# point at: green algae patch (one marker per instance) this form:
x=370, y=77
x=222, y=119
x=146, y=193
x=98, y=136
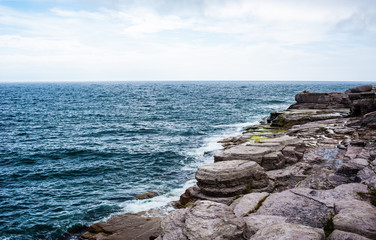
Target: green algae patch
x=255, y=139
x=273, y=130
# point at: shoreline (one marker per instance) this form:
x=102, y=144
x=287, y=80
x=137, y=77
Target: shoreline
x=314, y=144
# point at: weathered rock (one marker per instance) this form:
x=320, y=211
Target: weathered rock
x=274, y=160
x=300, y=116
x=123, y=227
x=229, y=178
x=289, y=231
x=244, y=152
x=355, y=216
x=146, y=195
x=308, y=100
x=254, y=223
x=249, y=203
x=173, y=225
x=340, y=235
x=296, y=208
x=196, y=194
x=359, y=89
x=203, y=220
x=330, y=197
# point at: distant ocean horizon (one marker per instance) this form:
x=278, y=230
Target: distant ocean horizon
x=73, y=153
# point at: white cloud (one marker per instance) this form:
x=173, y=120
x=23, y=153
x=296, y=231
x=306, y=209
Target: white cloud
x=239, y=40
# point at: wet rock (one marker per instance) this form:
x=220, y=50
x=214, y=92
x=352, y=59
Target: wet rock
x=127, y=226
x=146, y=195
x=203, y=220
x=355, y=216
x=249, y=203
x=289, y=231
x=230, y=178
x=340, y=235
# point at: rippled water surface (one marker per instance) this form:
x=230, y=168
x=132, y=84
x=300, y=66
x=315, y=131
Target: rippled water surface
x=75, y=153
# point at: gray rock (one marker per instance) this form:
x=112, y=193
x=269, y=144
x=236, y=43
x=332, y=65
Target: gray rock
x=355, y=216
x=209, y=220
x=359, y=89
x=288, y=231
x=274, y=160
x=296, y=208
x=340, y=235
x=173, y=225
x=203, y=220
x=244, y=152
x=248, y=203
x=230, y=178
x=256, y=222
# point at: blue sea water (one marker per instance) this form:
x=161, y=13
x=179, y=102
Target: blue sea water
x=75, y=153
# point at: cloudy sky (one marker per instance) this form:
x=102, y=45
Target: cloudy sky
x=104, y=40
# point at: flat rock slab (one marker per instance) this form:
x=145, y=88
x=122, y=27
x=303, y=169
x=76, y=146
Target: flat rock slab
x=356, y=216
x=330, y=197
x=125, y=227
x=230, y=178
x=340, y=235
x=296, y=208
x=289, y=231
x=203, y=220
x=244, y=152
x=248, y=203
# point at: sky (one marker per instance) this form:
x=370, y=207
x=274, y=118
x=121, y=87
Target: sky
x=132, y=40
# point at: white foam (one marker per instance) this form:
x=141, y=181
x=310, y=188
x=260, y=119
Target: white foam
x=160, y=203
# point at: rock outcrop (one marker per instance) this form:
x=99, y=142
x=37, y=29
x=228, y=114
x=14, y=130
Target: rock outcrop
x=332, y=100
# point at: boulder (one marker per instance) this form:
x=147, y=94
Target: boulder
x=146, y=195
x=355, y=216
x=340, y=235
x=203, y=220
x=289, y=231
x=249, y=203
x=230, y=178
x=332, y=100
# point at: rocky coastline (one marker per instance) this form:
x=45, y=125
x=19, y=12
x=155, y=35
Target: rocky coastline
x=308, y=172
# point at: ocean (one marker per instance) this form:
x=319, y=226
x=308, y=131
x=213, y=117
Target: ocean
x=72, y=154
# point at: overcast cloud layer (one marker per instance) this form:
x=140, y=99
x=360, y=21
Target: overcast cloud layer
x=103, y=40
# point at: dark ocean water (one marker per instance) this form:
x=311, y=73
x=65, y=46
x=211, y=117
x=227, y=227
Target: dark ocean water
x=75, y=153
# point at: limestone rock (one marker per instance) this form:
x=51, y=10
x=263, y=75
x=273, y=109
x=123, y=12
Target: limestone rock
x=288, y=231
x=355, y=216
x=248, y=203
x=340, y=235
x=229, y=178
